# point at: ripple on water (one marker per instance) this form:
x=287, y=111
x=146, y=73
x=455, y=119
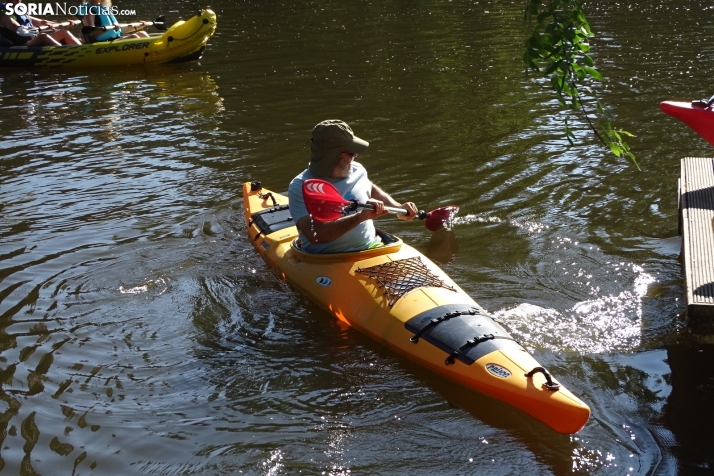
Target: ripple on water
x=609, y=321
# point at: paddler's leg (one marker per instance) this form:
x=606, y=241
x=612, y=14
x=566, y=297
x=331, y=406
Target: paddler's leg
x=43, y=39
x=64, y=36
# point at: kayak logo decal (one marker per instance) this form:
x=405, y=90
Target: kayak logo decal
x=498, y=371
x=323, y=281
x=131, y=46
x=315, y=187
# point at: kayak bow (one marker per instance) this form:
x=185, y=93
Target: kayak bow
x=698, y=115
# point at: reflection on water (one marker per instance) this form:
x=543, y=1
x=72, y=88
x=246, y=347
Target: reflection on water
x=443, y=245
x=140, y=333
x=71, y=194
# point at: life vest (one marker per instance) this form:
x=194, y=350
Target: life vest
x=23, y=20
x=102, y=17
x=15, y=38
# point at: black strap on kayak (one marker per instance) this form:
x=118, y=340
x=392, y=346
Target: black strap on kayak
x=271, y=220
x=268, y=195
x=256, y=186
x=440, y=319
x=473, y=343
x=549, y=384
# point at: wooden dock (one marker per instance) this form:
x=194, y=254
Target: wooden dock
x=696, y=225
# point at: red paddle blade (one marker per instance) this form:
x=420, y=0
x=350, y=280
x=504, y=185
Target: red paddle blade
x=440, y=217
x=322, y=200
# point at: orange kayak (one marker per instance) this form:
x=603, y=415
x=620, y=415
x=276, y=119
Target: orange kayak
x=398, y=297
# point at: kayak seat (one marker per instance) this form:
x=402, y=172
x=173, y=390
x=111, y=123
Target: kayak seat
x=387, y=239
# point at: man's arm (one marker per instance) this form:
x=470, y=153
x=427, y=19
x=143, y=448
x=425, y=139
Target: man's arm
x=326, y=231
x=386, y=199
x=40, y=22
x=6, y=21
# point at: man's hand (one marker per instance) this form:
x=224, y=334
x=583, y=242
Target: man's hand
x=377, y=212
x=411, y=208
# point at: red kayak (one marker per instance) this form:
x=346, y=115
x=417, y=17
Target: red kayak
x=698, y=115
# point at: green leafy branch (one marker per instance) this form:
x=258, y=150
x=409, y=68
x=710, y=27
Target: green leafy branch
x=558, y=47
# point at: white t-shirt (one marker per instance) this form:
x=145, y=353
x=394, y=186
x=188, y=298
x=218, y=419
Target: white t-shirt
x=355, y=187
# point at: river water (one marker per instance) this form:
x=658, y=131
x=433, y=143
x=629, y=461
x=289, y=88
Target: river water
x=140, y=333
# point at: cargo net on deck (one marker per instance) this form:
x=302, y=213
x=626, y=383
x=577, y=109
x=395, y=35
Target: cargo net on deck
x=402, y=276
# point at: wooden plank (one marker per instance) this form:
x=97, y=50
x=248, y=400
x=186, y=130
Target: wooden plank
x=697, y=223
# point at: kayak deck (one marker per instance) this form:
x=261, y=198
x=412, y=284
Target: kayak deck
x=401, y=299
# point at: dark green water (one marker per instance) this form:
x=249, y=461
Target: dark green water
x=140, y=334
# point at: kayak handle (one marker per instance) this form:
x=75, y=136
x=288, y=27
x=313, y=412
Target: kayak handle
x=549, y=384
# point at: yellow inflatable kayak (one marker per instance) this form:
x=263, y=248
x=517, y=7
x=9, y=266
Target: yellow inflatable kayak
x=183, y=41
x=400, y=298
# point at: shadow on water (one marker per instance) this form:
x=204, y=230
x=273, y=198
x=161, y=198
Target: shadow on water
x=443, y=245
x=689, y=411
x=552, y=451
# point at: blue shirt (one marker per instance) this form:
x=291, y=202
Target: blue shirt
x=355, y=187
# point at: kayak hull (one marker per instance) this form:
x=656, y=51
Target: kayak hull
x=394, y=295
x=697, y=116
x=183, y=41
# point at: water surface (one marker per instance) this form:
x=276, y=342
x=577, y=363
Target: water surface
x=142, y=335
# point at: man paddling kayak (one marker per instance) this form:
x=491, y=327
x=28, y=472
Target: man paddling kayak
x=333, y=149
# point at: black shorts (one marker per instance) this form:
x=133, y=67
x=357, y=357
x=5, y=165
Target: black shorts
x=14, y=38
x=89, y=38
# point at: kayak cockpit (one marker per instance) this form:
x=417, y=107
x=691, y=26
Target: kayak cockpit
x=392, y=244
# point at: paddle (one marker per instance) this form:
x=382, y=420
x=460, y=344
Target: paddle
x=159, y=23
x=325, y=203
x=57, y=26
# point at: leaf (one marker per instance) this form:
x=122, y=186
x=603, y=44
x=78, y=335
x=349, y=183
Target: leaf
x=594, y=73
x=559, y=47
x=554, y=65
x=615, y=149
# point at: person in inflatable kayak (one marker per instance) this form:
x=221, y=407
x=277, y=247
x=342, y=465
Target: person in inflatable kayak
x=333, y=150
x=20, y=29
x=98, y=13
